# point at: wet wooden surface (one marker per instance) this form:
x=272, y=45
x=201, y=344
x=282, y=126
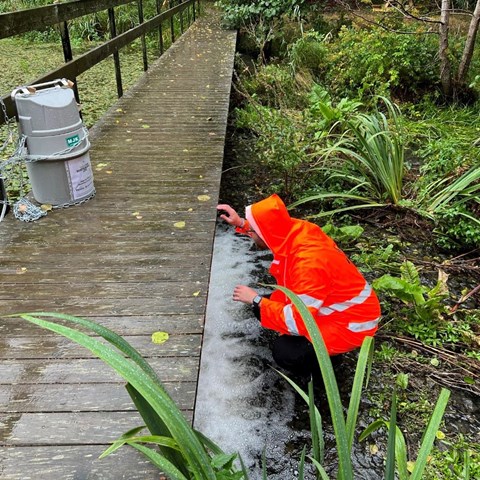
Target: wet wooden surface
x=119, y=260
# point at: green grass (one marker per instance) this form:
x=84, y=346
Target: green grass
x=22, y=62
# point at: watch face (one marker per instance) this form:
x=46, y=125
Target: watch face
x=257, y=300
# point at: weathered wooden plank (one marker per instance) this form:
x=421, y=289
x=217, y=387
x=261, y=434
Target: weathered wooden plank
x=132, y=325
x=108, y=290
x=73, y=428
x=74, y=463
x=90, y=370
x=61, y=348
x=51, y=274
x=77, y=462
x=99, y=397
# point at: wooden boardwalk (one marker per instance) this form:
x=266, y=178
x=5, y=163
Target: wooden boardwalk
x=136, y=258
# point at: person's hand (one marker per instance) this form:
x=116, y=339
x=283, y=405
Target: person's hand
x=231, y=216
x=244, y=294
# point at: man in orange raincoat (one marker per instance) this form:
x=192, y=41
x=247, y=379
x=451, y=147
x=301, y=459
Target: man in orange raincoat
x=308, y=262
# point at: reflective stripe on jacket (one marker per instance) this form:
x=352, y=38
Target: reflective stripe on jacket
x=309, y=263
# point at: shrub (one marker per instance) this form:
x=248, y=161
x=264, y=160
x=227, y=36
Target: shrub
x=365, y=62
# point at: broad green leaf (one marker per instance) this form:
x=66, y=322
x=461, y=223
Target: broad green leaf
x=364, y=360
x=429, y=435
x=161, y=402
x=330, y=382
x=160, y=462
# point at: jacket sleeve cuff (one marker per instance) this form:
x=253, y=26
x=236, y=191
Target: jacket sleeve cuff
x=245, y=229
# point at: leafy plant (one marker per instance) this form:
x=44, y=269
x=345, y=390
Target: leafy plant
x=397, y=453
x=374, y=154
x=427, y=302
x=184, y=453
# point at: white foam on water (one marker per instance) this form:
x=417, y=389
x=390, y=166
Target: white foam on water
x=242, y=404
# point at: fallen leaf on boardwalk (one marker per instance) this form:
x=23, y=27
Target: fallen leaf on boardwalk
x=109, y=171
x=139, y=217
x=196, y=294
x=119, y=110
x=212, y=133
x=185, y=149
x=190, y=209
x=46, y=207
x=135, y=214
x=140, y=119
x=22, y=270
x=179, y=225
x=200, y=176
x=117, y=121
x=159, y=337
x=128, y=139
x=145, y=126
x=203, y=198
x=100, y=166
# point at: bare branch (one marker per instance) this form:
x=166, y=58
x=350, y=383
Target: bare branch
x=384, y=27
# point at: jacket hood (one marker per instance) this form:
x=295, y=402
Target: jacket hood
x=271, y=221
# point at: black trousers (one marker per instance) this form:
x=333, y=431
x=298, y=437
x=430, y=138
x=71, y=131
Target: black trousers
x=297, y=355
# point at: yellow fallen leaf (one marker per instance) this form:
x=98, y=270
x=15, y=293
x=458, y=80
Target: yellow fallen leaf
x=440, y=435
x=46, y=207
x=159, y=337
x=138, y=217
x=117, y=121
x=22, y=270
x=190, y=209
x=128, y=139
x=145, y=126
x=200, y=176
x=373, y=449
x=185, y=150
x=179, y=225
x=203, y=198
x=108, y=171
x=135, y=214
x=119, y=110
x=196, y=294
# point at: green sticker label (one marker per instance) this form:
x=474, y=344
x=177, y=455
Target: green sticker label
x=73, y=141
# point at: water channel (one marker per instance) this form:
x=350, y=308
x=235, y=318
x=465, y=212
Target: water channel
x=243, y=404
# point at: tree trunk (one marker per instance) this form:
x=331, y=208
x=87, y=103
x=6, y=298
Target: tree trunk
x=445, y=66
x=469, y=45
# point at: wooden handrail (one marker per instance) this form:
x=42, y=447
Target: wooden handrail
x=86, y=61
x=23, y=21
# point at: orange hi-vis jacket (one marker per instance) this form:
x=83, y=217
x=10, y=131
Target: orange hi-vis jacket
x=308, y=262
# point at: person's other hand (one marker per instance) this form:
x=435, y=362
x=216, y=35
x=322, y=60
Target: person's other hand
x=242, y=293
x=231, y=216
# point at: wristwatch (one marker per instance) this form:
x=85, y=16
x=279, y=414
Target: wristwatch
x=256, y=301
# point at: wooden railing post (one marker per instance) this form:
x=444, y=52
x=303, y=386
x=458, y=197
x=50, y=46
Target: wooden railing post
x=144, y=43
x=172, y=23
x=116, y=55
x=160, y=31
x=68, y=54
x=181, y=16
